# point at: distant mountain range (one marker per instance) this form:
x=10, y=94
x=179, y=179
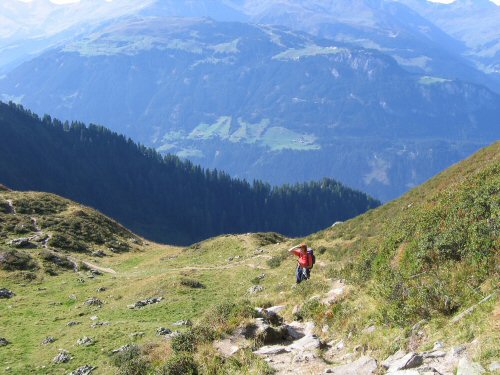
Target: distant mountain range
x=161, y=198
x=261, y=102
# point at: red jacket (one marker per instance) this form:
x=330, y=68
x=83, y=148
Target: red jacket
x=304, y=258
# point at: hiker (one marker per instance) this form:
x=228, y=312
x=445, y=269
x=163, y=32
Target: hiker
x=305, y=262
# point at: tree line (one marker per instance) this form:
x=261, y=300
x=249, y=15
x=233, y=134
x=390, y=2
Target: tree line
x=160, y=197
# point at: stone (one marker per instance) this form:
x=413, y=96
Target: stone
x=100, y=324
x=226, y=347
x=4, y=341
x=84, y=370
x=402, y=361
x=99, y=254
x=364, y=365
x=62, y=357
x=255, y=289
x=369, y=329
x=336, y=292
x=438, y=345
x=6, y=293
x=270, y=316
x=272, y=350
x=183, y=323
x=72, y=323
x=94, y=302
x=433, y=354
x=94, y=317
x=308, y=342
x=21, y=243
x=145, y=302
x=161, y=331
x=48, y=340
x=458, y=350
x=85, y=341
x=123, y=348
x=494, y=366
x=416, y=327
x=101, y=289
x=466, y=367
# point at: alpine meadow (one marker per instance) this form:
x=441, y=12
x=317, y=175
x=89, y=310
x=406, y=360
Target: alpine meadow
x=233, y=187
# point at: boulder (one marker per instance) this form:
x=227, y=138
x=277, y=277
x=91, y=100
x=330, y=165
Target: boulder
x=72, y=323
x=85, y=341
x=466, y=367
x=21, y=243
x=309, y=342
x=145, y=302
x=255, y=289
x=94, y=302
x=4, y=341
x=270, y=316
x=6, y=293
x=62, y=357
x=362, y=366
x=187, y=323
x=101, y=289
x=48, y=340
x=402, y=362
x=163, y=331
x=84, y=370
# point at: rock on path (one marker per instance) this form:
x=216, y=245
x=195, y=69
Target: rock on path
x=362, y=366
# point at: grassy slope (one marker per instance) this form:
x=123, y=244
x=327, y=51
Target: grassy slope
x=363, y=251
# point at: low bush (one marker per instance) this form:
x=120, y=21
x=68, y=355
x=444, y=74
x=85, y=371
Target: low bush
x=14, y=260
x=67, y=243
x=52, y=258
x=191, y=283
x=184, y=342
x=276, y=260
x=179, y=364
x=130, y=362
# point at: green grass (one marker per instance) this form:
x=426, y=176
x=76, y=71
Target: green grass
x=430, y=254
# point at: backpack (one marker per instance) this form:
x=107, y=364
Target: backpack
x=311, y=257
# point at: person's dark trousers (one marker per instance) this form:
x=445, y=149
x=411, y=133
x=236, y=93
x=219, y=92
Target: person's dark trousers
x=302, y=274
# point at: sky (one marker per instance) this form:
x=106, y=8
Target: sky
x=76, y=1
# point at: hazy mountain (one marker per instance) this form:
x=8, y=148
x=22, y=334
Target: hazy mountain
x=475, y=22
x=390, y=27
x=261, y=102
x=27, y=28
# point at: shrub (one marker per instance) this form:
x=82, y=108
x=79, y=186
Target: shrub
x=65, y=242
x=276, y=260
x=51, y=258
x=184, y=342
x=130, y=361
x=14, y=260
x=179, y=364
x=224, y=316
x=190, y=283
x=269, y=238
x=40, y=204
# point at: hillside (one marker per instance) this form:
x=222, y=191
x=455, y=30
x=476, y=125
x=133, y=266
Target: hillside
x=161, y=198
x=418, y=273
x=261, y=102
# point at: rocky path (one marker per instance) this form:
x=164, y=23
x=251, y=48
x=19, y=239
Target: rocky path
x=294, y=348
x=98, y=268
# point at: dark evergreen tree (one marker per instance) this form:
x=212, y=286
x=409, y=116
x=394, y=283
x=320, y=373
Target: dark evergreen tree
x=160, y=197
